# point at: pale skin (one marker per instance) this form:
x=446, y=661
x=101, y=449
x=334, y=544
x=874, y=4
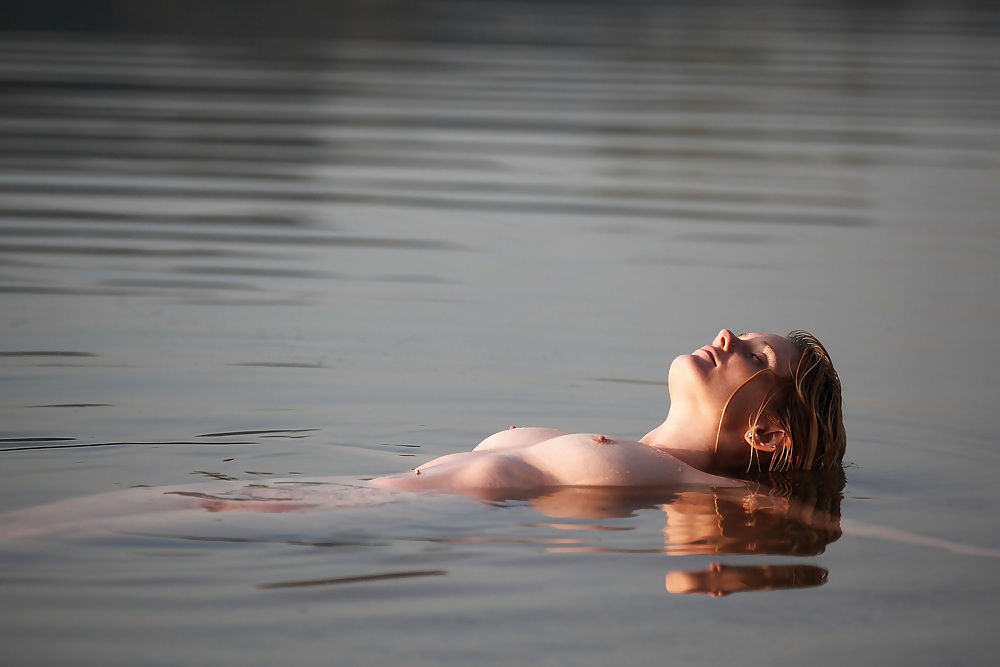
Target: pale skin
x=716, y=392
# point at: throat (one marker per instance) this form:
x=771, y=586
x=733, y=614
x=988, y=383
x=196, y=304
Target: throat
x=693, y=457
x=695, y=449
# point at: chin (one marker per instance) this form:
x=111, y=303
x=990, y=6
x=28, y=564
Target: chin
x=685, y=372
x=687, y=365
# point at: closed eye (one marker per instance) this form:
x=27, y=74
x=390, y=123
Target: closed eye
x=766, y=358
x=770, y=357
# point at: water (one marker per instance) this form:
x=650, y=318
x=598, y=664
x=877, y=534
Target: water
x=380, y=238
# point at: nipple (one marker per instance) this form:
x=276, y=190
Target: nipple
x=602, y=439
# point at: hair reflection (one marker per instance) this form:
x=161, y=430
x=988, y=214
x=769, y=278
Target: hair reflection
x=794, y=513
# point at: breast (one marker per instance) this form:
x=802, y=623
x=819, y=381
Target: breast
x=592, y=459
x=518, y=438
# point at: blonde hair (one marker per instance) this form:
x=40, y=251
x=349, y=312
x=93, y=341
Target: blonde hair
x=810, y=410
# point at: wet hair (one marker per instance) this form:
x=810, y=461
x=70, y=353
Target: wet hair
x=810, y=409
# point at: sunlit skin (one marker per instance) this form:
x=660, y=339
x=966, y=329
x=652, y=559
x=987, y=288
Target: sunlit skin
x=731, y=378
x=701, y=384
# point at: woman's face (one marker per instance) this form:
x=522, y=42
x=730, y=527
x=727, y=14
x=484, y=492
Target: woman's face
x=707, y=379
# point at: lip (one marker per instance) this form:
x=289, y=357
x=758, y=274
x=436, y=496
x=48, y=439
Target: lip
x=710, y=352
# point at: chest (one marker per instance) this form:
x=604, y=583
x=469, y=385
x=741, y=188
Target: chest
x=593, y=460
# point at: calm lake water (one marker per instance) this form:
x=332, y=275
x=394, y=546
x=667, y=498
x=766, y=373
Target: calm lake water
x=238, y=257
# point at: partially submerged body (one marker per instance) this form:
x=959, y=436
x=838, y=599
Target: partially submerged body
x=522, y=459
x=755, y=400
x=742, y=408
x=747, y=401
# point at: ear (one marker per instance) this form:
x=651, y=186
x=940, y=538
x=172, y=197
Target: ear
x=768, y=437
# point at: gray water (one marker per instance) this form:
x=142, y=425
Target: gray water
x=344, y=253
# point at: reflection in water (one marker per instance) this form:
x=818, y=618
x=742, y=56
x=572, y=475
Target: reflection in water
x=798, y=516
x=719, y=580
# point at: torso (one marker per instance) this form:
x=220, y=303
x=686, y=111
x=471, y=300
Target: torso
x=590, y=459
x=524, y=458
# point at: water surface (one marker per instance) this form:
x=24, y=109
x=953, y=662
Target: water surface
x=343, y=251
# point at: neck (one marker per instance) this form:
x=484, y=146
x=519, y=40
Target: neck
x=687, y=440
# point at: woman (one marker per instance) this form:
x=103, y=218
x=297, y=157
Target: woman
x=750, y=401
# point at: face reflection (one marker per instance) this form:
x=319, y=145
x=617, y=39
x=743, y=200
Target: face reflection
x=704, y=381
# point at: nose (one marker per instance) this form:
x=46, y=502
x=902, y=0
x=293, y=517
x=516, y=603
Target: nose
x=725, y=340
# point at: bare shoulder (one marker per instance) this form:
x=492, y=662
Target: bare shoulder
x=518, y=438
